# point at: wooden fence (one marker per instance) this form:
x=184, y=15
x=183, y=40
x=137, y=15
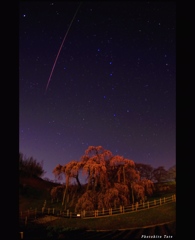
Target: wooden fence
x=33, y=214
x=131, y=208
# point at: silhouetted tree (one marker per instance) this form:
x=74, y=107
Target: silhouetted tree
x=145, y=170
x=30, y=167
x=172, y=173
x=160, y=174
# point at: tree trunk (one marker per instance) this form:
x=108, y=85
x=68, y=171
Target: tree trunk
x=89, y=180
x=64, y=195
x=65, y=190
x=73, y=195
x=77, y=179
x=124, y=175
x=132, y=194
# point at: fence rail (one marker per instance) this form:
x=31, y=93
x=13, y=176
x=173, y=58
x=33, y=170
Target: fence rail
x=131, y=208
x=33, y=214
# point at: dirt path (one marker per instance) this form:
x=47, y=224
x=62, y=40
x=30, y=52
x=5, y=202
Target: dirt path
x=46, y=219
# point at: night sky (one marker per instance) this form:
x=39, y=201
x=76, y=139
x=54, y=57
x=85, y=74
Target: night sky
x=113, y=83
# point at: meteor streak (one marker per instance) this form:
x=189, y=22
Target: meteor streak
x=61, y=48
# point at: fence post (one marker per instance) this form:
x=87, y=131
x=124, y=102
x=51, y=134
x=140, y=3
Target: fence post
x=136, y=206
x=83, y=213
x=67, y=212
x=148, y=204
x=21, y=235
x=110, y=211
x=121, y=209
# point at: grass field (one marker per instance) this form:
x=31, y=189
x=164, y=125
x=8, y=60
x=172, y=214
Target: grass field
x=158, y=220
x=153, y=216
x=120, y=226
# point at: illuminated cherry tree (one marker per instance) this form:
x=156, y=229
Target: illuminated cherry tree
x=112, y=181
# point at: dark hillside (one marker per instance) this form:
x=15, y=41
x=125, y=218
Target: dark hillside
x=37, y=183
x=33, y=191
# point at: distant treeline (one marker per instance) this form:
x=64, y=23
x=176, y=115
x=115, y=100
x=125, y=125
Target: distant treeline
x=30, y=167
